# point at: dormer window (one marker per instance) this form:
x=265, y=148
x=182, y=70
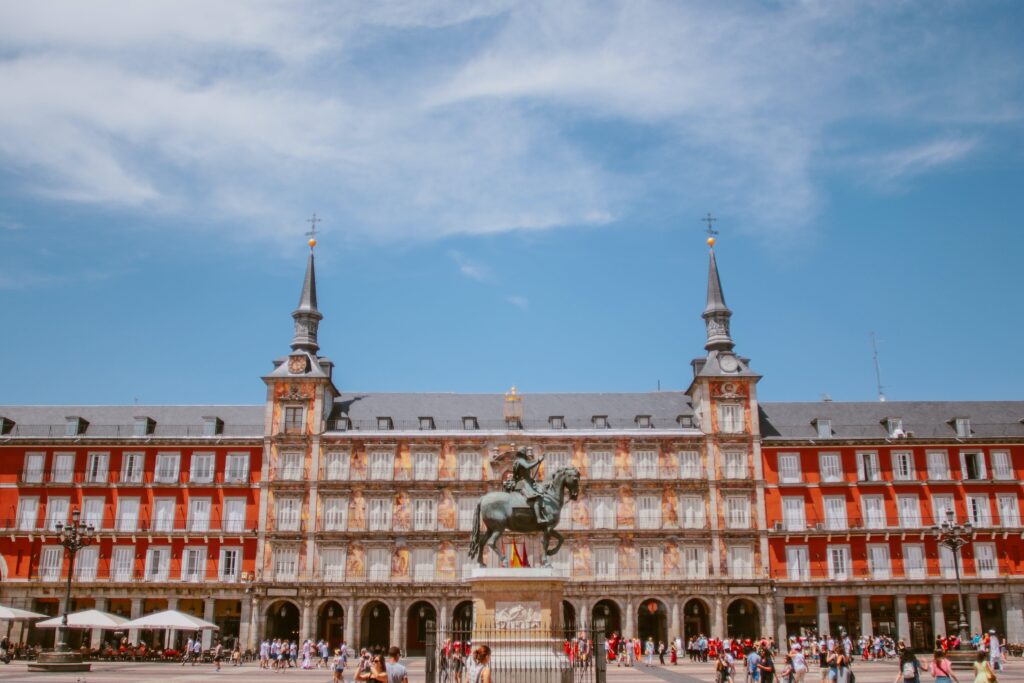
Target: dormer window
x=470, y=422
x=894, y=426
x=685, y=421
x=214, y=426
x=426, y=423
x=343, y=423
x=643, y=421
x=557, y=421
x=513, y=422
x=143, y=426
x=6, y=425
x=385, y=423
x=75, y=426
x=599, y=421
x=963, y=427
x=823, y=427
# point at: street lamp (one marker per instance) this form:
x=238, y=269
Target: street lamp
x=73, y=537
x=955, y=536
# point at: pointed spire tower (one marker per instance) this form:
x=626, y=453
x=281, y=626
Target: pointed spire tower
x=307, y=317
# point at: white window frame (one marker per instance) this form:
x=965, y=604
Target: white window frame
x=199, y=512
x=947, y=563
x=158, y=563
x=831, y=506
x=378, y=564
x=554, y=460
x=963, y=427
x=28, y=513
x=122, y=563
x=34, y=468
x=979, y=465
x=337, y=465
x=1009, y=510
x=424, y=564
x=692, y=512
x=730, y=418
x=695, y=562
x=162, y=522
x=868, y=467
x=92, y=511
x=840, y=564
x=903, y=466
x=915, y=562
x=288, y=513
x=737, y=512
x=979, y=509
x=735, y=465
x=645, y=463
x=332, y=564
x=229, y=572
x=1002, y=466
x=873, y=512
x=789, y=468
x=648, y=511
x=424, y=516
x=168, y=468
x=794, y=513
x=603, y=512
x=938, y=466
x=940, y=503
x=233, y=522
x=379, y=514
x=193, y=564
x=127, y=522
x=986, y=564
x=334, y=513
x=470, y=466
x=830, y=466
x=97, y=468
x=690, y=465
x=606, y=562
x=466, y=506
x=133, y=467
x=651, y=560
x=201, y=466
x=292, y=465
x=63, y=469
x=424, y=465
x=798, y=565
x=908, y=508
x=236, y=468
x=879, y=561
x=380, y=465
x=602, y=464
x=740, y=559
x=57, y=510
x=285, y=563
x=51, y=562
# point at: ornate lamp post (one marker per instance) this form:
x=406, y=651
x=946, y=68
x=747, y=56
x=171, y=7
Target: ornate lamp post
x=73, y=537
x=955, y=536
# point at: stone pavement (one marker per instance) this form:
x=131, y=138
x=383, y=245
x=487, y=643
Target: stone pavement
x=685, y=672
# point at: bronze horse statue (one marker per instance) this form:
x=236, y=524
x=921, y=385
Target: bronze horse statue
x=504, y=510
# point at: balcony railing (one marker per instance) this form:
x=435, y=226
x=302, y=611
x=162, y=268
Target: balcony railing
x=113, y=525
x=127, y=431
x=144, y=478
x=819, y=571
x=923, y=523
x=372, y=425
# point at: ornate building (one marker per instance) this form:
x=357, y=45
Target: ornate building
x=327, y=512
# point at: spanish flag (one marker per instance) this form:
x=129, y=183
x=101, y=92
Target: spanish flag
x=517, y=561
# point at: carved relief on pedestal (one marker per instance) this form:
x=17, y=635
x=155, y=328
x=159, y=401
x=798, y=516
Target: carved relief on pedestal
x=357, y=512
x=447, y=511
x=520, y=615
x=626, y=509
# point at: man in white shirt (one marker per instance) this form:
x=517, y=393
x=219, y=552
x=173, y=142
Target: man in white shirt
x=799, y=663
x=995, y=652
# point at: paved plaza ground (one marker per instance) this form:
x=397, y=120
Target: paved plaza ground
x=869, y=672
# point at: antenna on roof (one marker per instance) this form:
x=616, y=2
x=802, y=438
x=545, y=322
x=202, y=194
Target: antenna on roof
x=878, y=372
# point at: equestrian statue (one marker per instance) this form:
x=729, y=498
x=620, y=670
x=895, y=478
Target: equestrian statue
x=523, y=506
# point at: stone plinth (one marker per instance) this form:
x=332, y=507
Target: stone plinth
x=59, y=661
x=517, y=612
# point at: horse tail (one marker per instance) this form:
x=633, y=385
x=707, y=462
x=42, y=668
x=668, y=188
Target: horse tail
x=474, y=538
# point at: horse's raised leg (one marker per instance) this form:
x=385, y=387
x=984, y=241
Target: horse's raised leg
x=549, y=532
x=492, y=540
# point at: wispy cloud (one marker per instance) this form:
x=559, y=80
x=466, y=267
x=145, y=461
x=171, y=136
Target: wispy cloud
x=469, y=268
x=518, y=301
x=494, y=116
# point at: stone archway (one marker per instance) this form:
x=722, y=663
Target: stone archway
x=420, y=614
x=608, y=611
x=283, y=619
x=652, y=621
x=696, y=619
x=330, y=623
x=743, y=619
x=375, y=631
x=569, y=621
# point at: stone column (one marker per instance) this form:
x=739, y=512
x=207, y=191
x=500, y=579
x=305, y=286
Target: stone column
x=1013, y=606
x=673, y=624
x=718, y=618
x=170, y=634
x=259, y=622
x=133, y=634
x=824, y=627
x=781, y=632
x=938, y=616
x=96, y=636
x=244, y=626
x=306, y=619
x=630, y=621
x=864, y=602
x=768, y=625
x=442, y=616
x=397, y=623
x=973, y=613
x=208, y=611
x=350, y=635
x=902, y=618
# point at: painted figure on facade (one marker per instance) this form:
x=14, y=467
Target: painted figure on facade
x=524, y=506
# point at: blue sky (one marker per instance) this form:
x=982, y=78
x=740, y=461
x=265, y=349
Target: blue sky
x=511, y=193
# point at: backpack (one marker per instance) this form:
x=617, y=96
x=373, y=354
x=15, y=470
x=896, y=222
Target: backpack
x=909, y=670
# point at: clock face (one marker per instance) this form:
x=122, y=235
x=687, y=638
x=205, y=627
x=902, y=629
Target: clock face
x=297, y=364
x=729, y=363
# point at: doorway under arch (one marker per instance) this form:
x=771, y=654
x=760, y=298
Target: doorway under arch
x=696, y=620
x=569, y=621
x=283, y=620
x=375, y=634
x=420, y=613
x=330, y=623
x=462, y=621
x=652, y=621
x=743, y=619
x=608, y=611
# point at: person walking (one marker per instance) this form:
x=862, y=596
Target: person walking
x=661, y=652
x=649, y=651
x=479, y=668
x=197, y=650
x=909, y=670
x=218, y=652
x=338, y=667
x=188, y=651
x=983, y=672
x=767, y=665
x=723, y=669
x=397, y=672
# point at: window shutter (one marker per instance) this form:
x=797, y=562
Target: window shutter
x=963, y=466
x=982, y=472
x=860, y=467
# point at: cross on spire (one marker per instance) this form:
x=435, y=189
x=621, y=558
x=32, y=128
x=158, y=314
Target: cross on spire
x=709, y=219
x=313, y=221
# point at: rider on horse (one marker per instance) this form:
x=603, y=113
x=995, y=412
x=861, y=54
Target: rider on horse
x=523, y=481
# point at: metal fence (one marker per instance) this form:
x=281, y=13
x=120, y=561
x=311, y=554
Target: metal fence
x=519, y=654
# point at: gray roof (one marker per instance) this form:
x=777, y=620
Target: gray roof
x=865, y=420
x=118, y=421
x=578, y=410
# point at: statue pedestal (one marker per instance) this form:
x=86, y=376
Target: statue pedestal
x=517, y=612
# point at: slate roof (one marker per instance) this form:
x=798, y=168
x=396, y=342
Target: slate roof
x=118, y=421
x=865, y=420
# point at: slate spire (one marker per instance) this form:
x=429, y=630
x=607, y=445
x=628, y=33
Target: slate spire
x=716, y=314
x=307, y=317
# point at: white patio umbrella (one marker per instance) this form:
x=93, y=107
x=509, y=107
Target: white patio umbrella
x=171, y=618
x=15, y=614
x=90, y=618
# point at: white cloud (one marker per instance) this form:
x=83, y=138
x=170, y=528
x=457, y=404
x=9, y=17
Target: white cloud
x=469, y=268
x=518, y=301
x=416, y=119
